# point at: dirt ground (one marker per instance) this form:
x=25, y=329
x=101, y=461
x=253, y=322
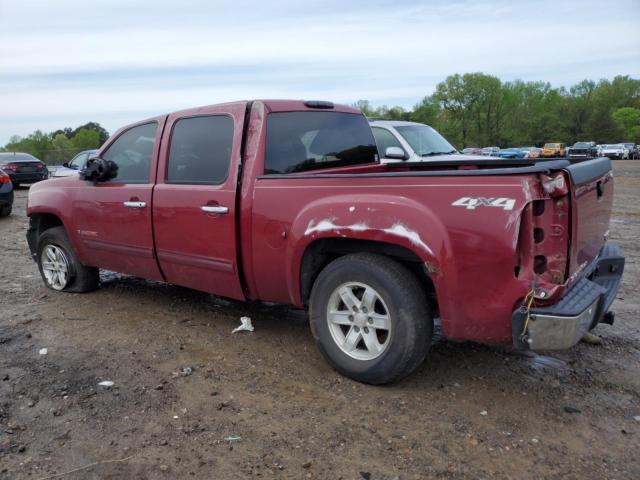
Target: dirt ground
x=265, y=404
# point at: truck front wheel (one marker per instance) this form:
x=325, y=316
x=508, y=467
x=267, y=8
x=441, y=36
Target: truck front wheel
x=370, y=318
x=60, y=268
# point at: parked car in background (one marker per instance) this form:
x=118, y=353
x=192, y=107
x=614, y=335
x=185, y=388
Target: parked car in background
x=6, y=194
x=633, y=153
x=532, y=152
x=583, y=150
x=472, y=151
x=511, y=153
x=551, y=150
x=615, y=151
x=491, y=151
x=73, y=166
x=400, y=141
x=23, y=168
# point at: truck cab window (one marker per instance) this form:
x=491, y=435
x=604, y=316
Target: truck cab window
x=200, y=151
x=301, y=141
x=132, y=152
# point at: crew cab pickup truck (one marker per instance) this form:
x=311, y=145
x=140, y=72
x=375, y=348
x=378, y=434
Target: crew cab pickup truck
x=286, y=201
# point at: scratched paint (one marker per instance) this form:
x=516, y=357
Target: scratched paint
x=327, y=225
x=400, y=230
x=397, y=229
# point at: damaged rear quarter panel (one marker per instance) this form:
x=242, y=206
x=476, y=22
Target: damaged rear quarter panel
x=470, y=252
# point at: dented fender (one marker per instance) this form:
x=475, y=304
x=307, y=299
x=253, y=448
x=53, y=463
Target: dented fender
x=368, y=217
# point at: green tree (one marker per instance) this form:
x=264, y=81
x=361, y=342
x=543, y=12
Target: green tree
x=628, y=120
x=85, y=139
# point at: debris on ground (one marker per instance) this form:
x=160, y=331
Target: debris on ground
x=570, y=409
x=183, y=372
x=106, y=383
x=43, y=351
x=233, y=438
x=591, y=339
x=245, y=325
x=484, y=413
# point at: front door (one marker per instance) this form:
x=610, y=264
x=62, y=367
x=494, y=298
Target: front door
x=194, y=203
x=113, y=219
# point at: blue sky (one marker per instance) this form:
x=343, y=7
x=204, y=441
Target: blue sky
x=66, y=62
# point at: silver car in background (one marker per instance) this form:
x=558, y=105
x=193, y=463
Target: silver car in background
x=400, y=141
x=73, y=166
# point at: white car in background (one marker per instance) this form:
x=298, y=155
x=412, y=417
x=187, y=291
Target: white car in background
x=74, y=166
x=615, y=151
x=400, y=141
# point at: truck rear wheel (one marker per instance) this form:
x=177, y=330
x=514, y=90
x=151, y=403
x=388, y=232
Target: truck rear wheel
x=370, y=318
x=60, y=268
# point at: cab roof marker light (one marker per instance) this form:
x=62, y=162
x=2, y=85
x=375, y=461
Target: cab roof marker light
x=319, y=104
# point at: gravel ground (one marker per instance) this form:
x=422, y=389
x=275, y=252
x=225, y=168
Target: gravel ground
x=265, y=404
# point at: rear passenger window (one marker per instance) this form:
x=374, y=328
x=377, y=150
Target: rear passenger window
x=300, y=141
x=132, y=152
x=200, y=151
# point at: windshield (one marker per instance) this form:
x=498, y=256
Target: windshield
x=612, y=146
x=425, y=140
x=551, y=145
x=581, y=145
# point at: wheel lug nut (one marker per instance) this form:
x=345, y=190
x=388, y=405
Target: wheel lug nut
x=357, y=329
x=370, y=320
x=366, y=330
x=355, y=309
x=364, y=309
x=351, y=318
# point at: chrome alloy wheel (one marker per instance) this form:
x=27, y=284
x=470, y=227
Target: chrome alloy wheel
x=359, y=321
x=55, y=267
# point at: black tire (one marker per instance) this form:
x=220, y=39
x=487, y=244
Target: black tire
x=5, y=210
x=408, y=308
x=81, y=278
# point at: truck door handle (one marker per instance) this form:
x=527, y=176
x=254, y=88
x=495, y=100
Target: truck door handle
x=214, y=209
x=135, y=204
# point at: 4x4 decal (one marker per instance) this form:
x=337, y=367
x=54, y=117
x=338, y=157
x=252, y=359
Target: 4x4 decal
x=471, y=203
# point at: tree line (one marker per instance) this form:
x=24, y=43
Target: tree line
x=61, y=145
x=472, y=109
x=477, y=110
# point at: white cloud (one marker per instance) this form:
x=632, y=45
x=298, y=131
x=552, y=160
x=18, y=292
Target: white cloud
x=72, y=59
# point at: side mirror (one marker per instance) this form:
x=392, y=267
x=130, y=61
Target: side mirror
x=99, y=170
x=65, y=164
x=395, y=153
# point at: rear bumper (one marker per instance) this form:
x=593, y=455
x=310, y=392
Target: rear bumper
x=31, y=177
x=586, y=304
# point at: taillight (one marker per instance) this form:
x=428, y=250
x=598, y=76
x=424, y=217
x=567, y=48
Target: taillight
x=4, y=178
x=543, y=241
x=39, y=166
x=554, y=186
x=13, y=168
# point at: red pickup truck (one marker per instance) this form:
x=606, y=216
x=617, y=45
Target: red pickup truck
x=285, y=201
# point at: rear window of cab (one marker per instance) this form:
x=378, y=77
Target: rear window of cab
x=304, y=141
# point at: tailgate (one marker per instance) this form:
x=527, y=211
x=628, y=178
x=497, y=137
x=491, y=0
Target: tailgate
x=592, y=200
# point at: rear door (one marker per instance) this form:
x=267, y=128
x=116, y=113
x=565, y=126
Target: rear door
x=194, y=206
x=113, y=219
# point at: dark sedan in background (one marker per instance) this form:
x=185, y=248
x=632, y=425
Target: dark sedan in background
x=6, y=194
x=23, y=168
